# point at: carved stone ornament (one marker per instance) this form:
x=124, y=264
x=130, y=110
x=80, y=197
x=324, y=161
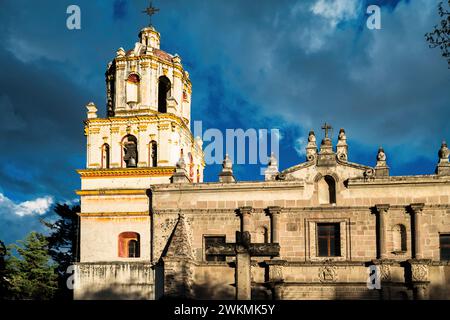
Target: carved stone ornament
x=385, y=272
x=342, y=156
x=328, y=273
x=276, y=273
x=369, y=174
x=419, y=272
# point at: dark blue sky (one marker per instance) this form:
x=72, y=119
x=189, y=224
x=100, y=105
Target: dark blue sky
x=283, y=64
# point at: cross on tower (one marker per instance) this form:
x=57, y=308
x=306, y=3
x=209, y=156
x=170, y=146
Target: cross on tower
x=326, y=127
x=150, y=11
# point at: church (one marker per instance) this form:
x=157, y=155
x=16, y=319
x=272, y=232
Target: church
x=327, y=228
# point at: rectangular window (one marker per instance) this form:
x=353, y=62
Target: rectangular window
x=444, y=244
x=328, y=240
x=213, y=240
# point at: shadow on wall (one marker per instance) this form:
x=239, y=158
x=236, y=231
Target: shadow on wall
x=439, y=291
x=117, y=292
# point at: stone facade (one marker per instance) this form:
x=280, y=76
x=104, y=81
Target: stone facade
x=144, y=229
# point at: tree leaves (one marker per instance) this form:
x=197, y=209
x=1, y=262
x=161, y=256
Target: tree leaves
x=440, y=36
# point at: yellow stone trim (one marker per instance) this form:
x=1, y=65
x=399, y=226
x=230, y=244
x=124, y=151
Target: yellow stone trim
x=94, y=130
x=177, y=74
x=94, y=165
x=109, y=192
x=163, y=126
x=142, y=127
x=127, y=172
x=114, y=214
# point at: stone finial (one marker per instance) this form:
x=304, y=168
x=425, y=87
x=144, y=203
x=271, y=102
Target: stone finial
x=273, y=160
x=381, y=156
x=342, y=147
x=120, y=52
x=176, y=59
x=443, y=167
x=272, y=169
x=342, y=136
x=227, y=165
x=180, y=175
x=226, y=175
x=91, y=110
x=443, y=152
x=311, y=147
x=381, y=168
x=181, y=164
x=311, y=138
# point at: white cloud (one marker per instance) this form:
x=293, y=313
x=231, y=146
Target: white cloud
x=38, y=206
x=300, y=145
x=315, y=34
x=335, y=10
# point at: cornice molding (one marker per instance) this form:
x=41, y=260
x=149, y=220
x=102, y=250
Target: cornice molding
x=127, y=172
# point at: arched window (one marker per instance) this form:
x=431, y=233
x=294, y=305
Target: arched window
x=129, y=245
x=153, y=146
x=327, y=190
x=105, y=156
x=164, y=87
x=132, y=89
x=399, y=238
x=130, y=153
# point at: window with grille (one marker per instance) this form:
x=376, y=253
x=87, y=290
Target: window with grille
x=444, y=245
x=328, y=240
x=210, y=240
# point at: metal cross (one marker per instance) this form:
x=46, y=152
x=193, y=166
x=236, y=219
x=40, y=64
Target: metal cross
x=326, y=127
x=150, y=11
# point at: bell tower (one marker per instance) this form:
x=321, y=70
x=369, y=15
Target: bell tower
x=147, y=125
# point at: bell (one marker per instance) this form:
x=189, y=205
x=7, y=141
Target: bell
x=132, y=162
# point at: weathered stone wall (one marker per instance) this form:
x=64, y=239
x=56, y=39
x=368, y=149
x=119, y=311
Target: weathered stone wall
x=114, y=280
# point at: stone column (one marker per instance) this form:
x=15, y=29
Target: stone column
x=417, y=210
x=245, y=214
x=274, y=213
x=243, y=275
x=243, y=259
x=276, y=278
x=382, y=210
x=278, y=291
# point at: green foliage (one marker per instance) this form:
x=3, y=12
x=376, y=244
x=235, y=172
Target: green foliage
x=63, y=244
x=440, y=36
x=3, y=279
x=31, y=275
x=38, y=271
